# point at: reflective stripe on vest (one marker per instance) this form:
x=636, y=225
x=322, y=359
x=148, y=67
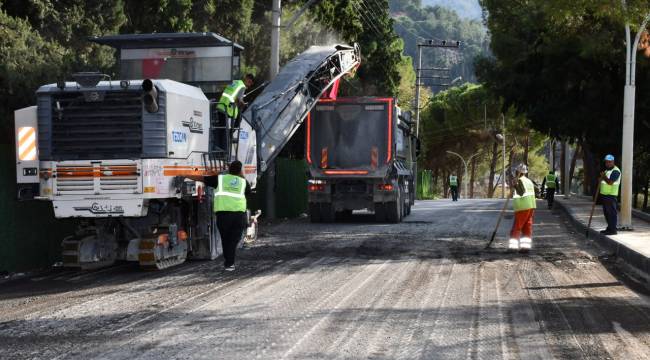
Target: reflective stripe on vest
x=228, y=100
x=230, y=194
x=453, y=180
x=550, y=181
x=527, y=200
x=605, y=188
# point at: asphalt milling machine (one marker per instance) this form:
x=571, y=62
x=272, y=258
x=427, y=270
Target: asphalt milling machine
x=115, y=154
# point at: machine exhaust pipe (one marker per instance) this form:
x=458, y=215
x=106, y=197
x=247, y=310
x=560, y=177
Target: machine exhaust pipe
x=150, y=96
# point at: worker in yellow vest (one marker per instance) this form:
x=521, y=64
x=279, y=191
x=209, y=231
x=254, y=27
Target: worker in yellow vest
x=523, y=204
x=230, y=206
x=552, y=183
x=453, y=187
x=232, y=97
x=610, y=181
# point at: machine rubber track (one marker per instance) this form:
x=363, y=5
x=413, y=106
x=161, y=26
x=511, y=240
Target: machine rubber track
x=70, y=254
x=150, y=259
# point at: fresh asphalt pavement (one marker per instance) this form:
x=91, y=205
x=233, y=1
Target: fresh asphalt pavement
x=422, y=289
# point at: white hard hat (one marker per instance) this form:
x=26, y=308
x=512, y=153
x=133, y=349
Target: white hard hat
x=522, y=169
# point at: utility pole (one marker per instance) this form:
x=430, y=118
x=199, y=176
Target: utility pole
x=445, y=44
x=566, y=180
x=417, y=93
x=627, y=153
x=275, y=38
x=503, y=181
x=274, y=69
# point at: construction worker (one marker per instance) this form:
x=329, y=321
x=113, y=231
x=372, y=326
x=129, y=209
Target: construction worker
x=230, y=206
x=610, y=180
x=552, y=182
x=523, y=204
x=232, y=97
x=453, y=187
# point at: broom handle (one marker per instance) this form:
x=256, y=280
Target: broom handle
x=593, y=206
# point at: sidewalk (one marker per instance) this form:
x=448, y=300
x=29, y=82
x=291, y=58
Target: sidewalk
x=630, y=247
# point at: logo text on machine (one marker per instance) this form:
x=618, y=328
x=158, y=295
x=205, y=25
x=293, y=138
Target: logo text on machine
x=194, y=126
x=179, y=137
x=97, y=208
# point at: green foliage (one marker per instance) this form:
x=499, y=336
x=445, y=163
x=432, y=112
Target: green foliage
x=415, y=23
x=69, y=23
x=369, y=24
x=562, y=63
x=27, y=60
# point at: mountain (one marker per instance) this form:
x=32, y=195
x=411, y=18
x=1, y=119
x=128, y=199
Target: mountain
x=469, y=9
x=415, y=21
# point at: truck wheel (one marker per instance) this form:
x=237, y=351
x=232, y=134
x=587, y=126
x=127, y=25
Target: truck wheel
x=394, y=210
x=327, y=213
x=314, y=213
x=380, y=212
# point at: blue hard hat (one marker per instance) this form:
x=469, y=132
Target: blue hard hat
x=609, y=157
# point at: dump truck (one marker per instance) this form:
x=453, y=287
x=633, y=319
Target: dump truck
x=361, y=154
x=117, y=155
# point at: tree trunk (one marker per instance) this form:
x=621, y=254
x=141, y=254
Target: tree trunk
x=526, y=146
x=493, y=165
x=471, y=178
x=434, y=179
x=591, y=170
x=445, y=184
x=645, y=194
x=553, y=153
x=573, y=165
x=563, y=166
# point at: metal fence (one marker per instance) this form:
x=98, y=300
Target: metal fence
x=425, y=190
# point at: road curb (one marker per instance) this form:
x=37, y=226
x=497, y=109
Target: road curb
x=632, y=261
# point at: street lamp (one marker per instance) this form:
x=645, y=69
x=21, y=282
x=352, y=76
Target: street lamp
x=464, y=164
x=627, y=156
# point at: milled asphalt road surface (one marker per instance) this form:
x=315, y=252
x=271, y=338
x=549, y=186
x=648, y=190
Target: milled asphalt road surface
x=423, y=289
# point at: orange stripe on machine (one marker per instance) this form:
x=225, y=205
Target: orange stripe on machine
x=26, y=143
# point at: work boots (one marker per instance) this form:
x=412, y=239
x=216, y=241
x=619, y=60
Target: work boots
x=513, y=244
x=525, y=244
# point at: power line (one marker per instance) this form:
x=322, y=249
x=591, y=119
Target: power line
x=366, y=19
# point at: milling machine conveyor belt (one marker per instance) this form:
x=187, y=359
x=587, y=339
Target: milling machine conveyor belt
x=279, y=110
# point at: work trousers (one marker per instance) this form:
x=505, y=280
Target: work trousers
x=609, y=209
x=550, y=197
x=231, y=227
x=522, y=224
x=454, y=193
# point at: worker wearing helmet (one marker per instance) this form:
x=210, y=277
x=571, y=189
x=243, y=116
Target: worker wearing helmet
x=552, y=183
x=230, y=207
x=523, y=204
x=232, y=97
x=453, y=187
x=610, y=181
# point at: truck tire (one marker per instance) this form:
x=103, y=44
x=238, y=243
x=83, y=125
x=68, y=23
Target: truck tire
x=314, y=213
x=394, y=209
x=380, y=212
x=327, y=213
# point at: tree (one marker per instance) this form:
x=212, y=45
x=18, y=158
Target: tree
x=562, y=64
x=27, y=60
